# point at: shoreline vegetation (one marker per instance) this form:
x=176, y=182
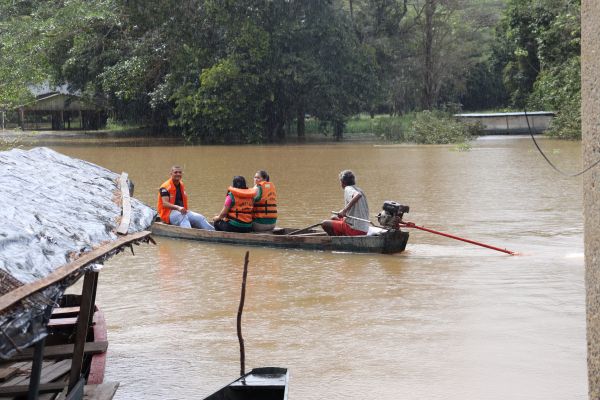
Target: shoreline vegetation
x=244, y=72
x=434, y=127
x=426, y=127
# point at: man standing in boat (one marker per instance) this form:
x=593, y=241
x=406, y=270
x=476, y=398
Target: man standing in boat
x=173, y=204
x=352, y=219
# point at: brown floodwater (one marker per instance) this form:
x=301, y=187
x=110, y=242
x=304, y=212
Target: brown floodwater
x=443, y=320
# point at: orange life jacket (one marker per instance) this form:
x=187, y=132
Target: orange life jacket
x=243, y=202
x=266, y=207
x=163, y=211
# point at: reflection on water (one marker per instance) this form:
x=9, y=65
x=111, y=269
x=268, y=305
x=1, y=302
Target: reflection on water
x=444, y=319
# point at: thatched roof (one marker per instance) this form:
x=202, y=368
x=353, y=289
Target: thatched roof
x=55, y=209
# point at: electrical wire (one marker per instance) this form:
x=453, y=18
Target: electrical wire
x=550, y=162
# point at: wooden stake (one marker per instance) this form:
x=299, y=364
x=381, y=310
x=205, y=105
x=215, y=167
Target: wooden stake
x=239, y=317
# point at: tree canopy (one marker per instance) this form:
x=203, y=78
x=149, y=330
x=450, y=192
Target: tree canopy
x=251, y=71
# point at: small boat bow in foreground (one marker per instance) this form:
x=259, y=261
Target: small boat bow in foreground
x=267, y=383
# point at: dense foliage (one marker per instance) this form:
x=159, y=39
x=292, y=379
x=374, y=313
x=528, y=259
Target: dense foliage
x=249, y=71
x=541, y=50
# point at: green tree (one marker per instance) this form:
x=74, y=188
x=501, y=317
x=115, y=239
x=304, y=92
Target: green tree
x=542, y=64
x=280, y=60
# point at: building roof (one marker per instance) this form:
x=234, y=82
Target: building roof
x=55, y=210
x=59, y=102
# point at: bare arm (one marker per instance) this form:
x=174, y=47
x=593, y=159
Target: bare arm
x=224, y=210
x=170, y=206
x=222, y=214
x=350, y=204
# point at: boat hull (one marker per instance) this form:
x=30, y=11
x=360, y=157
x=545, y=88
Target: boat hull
x=387, y=242
x=267, y=383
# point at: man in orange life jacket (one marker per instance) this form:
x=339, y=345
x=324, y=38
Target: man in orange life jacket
x=173, y=204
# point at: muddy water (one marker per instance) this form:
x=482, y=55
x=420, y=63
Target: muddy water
x=443, y=320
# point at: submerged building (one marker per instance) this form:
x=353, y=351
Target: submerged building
x=60, y=111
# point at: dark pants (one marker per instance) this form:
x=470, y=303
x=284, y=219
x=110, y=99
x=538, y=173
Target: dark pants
x=221, y=225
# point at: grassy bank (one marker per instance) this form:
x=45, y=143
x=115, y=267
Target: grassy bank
x=425, y=127
x=422, y=128
x=382, y=126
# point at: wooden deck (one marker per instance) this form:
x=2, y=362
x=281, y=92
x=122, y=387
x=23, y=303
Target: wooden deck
x=14, y=381
x=57, y=362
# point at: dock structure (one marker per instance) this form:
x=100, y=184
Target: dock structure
x=54, y=345
x=511, y=123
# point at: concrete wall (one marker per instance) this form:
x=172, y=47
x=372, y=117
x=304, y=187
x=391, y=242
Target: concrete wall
x=590, y=108
x=510, y=123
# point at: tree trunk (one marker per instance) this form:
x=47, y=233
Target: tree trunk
x=160, y=121
x=428, y=100
x=351, y=10
x=300, y=124
x=280, y=129
x=338, y=130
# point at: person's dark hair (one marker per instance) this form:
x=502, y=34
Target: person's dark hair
x=239, y=182
x=347, y=177
x=263, y=174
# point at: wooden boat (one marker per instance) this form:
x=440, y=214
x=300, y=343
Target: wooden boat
x=58, y=350
x=267, y=383
x=387, y=241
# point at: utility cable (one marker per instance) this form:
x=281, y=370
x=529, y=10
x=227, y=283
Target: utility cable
x=550, y=162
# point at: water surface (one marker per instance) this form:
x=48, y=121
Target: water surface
x=443, y=320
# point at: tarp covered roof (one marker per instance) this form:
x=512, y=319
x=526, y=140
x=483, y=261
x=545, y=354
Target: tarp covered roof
x=54, y=208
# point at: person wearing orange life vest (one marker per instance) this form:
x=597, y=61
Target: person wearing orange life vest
x=236, y=214
x=172, y=204
x=265, y=209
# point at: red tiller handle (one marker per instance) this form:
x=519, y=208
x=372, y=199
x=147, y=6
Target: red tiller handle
x=412, y=225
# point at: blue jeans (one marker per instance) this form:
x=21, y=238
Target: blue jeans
x=190, y=220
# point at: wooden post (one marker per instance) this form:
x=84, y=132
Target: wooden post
x=36, y=370
x=123, y=227
x=93, y=302
x=36, y=365
x=239, y=317
x=22, y=118
x=85, y=309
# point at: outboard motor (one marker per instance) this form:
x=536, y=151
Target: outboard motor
x=391, y=214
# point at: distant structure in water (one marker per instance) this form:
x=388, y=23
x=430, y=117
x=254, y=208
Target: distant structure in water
x=55, y=108
x=59, y=111
x=511, y=122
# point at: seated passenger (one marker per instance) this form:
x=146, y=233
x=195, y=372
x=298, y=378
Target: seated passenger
x=172, y=204
x=265, y=209
x=353, y=219
x=236, y=215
